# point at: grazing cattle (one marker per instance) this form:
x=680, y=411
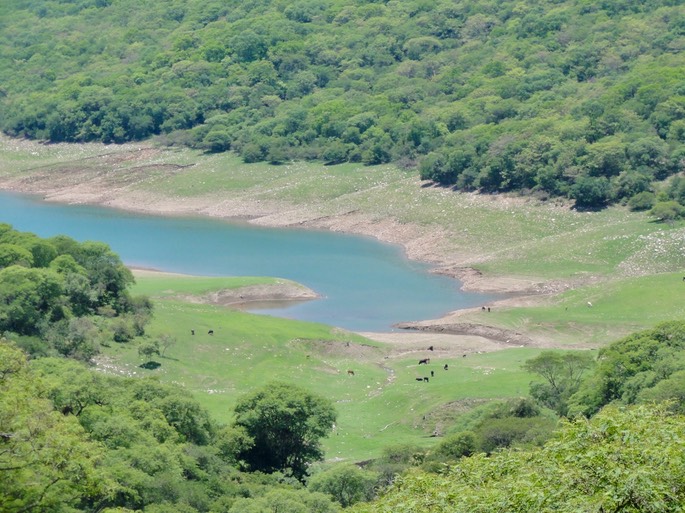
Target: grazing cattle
x=488, y=308
x=589, y=304
x=482, y=308
x=210, y=332
x=192, y=332
x=430, y=348
x=350, y=372
x=446, y=367
x=425, y=378
x=432, y=374
x=419, y=379
x=425, y=361
x=464, y=355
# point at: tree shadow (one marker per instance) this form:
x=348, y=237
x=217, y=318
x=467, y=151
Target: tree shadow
x=151, y=365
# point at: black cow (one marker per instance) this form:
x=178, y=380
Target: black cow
x=446, y=367
x=425, y=361
x=210, y=332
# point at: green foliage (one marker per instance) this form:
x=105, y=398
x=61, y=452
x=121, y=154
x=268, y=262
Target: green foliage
x=562, y=373
x=347, y=484
x=620, y=460
x=667, y=211
x=55, y=290
x=537, y=95
x=632, y=369
x=47, y=462
x=286, y=424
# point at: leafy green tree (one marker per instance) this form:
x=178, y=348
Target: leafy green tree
x=642, y=201
x=591, y=192
x=47, y=462
x=562, y=373
x=630, y=366
x=286, y=501
x=28, y=298
x=148, y=349
x=286, y=424
x=347, y=484
x=11, y=254
x=667, y=211
x=457, y=445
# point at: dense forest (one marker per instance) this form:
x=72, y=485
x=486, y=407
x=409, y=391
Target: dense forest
x=563, y=98
x=63, y=297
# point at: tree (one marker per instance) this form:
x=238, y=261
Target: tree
x=667, y=211
x=591, y=192
x=347, y=484
x=148, y=349
x=286, y=423
x=165, y=342
x=562, y=374
x=47, y=461
x=29, y=297
x=630, y=366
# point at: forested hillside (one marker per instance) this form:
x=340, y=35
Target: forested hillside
x=574, y=98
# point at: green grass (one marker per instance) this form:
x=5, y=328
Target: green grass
x=618, y=308
x=169, y=286
x=381, y=405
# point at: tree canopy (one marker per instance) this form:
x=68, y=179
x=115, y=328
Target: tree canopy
x=286, y=424
x=60, y=296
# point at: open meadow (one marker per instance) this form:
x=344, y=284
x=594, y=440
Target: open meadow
x=381, y=404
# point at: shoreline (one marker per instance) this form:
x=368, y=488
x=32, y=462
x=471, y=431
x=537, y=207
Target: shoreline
x=106, y=187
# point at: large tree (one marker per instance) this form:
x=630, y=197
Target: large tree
x=286, y=424
x=47, y=462
x=562, y=374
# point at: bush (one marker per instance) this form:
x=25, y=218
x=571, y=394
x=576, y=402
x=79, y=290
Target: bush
x=642, y=201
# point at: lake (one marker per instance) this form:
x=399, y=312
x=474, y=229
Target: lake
x=365, y=285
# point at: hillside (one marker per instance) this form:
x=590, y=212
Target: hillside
x=571, y=98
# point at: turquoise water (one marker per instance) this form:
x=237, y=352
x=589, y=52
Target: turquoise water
x=366, y=285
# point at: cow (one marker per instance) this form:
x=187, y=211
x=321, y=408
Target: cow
x=446, y=367
x=350, y=372
x=430, y=348
x=192, y=332
x=432, y=374
x=425, y=379
x=419, y=379
x=210, y=332
x=424, y=361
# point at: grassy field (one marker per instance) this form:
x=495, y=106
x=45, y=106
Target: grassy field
x=619, y=307
x=381, y=404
